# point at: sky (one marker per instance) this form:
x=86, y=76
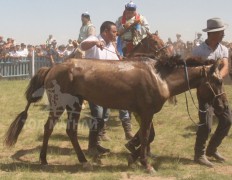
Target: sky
x=31, y=21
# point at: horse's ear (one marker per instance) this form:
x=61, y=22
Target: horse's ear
x=157, y=33
x=215, y=66
x=149, y=34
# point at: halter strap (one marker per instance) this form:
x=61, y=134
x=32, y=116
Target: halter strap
x=207, y=83
x=186, y=99
x=215, y=95
x=155, y=51
x=164, y=47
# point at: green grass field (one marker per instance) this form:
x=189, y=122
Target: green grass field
x=174, y=144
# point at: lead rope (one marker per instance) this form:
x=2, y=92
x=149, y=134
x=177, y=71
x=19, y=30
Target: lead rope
x=186, y=99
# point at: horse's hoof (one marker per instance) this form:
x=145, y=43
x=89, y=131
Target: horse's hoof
x=43, y=162
x=97, y=160
x=130, y=160
x=152, y=156
x=151, y=170
x=87, y=166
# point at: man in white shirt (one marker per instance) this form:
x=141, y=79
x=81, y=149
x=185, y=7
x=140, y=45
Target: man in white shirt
x=99, y=47
x=23, y=52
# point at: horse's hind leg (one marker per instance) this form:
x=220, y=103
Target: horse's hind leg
x=48, y=128
x=71, y=130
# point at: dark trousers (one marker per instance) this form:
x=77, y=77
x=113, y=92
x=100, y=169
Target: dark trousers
x=99, y=115
x=206, y=120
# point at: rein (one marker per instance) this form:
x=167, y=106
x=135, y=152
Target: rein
x=186, y=99
x=114, y=52
x=164, y=47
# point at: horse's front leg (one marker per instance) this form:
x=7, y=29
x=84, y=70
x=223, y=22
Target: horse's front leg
x=144, y=139
x=132, y=144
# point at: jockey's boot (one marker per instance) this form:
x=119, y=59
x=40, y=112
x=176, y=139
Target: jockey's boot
x=126, y=124
x=211, y=150
x=102, y=134
x=199, y=149
x=94, y=148
x=201, y=159
x=216, y=155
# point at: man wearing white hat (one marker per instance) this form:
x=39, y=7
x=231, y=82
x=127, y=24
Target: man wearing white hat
x=212, y=49
x=87, y=29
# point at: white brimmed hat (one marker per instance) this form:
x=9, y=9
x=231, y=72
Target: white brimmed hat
x=214, y=25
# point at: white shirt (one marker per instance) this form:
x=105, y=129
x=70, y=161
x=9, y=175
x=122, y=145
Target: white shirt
x=203, y=50
x=108, y=53
x=23, y=53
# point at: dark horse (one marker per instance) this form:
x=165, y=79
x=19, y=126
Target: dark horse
x=140, y=86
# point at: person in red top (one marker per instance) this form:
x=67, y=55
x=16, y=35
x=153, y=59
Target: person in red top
x=132, y=28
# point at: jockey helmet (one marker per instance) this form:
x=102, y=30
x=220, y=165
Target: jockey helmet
x=131, y=6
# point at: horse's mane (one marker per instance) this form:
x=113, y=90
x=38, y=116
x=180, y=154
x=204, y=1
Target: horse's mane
x=138, y=45
x=177, y=61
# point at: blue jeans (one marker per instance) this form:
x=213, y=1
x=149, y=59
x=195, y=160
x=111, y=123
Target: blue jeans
x=99, y=116
x=101, y=113
x=124, y=115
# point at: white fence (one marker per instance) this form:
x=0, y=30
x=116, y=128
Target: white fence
x=21, y=68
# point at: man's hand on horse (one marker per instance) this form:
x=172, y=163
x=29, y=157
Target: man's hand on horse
x=100, y=44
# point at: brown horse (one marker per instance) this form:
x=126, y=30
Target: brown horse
x=151, y=46
x=140, y=86
x=154, y=47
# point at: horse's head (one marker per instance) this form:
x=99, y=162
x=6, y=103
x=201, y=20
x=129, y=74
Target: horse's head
x=151, y=46
x=212, y=89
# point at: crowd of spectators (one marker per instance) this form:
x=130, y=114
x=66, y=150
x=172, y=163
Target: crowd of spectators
x=49, y=50
x=185, y=48
x=52, y=51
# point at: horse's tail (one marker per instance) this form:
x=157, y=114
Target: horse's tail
x=34, y=93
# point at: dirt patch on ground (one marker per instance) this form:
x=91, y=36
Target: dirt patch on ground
x=226, y=170
x=125, y=176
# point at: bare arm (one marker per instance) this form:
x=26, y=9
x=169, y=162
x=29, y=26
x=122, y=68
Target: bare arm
x=89, y=44
x=225, y=68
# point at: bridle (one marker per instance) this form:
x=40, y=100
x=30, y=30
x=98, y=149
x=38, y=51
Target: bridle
x=154, y=51
x=189, y=89
x=162, y=48
x=215, y=95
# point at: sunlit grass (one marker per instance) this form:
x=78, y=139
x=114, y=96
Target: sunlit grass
x=174, y=144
